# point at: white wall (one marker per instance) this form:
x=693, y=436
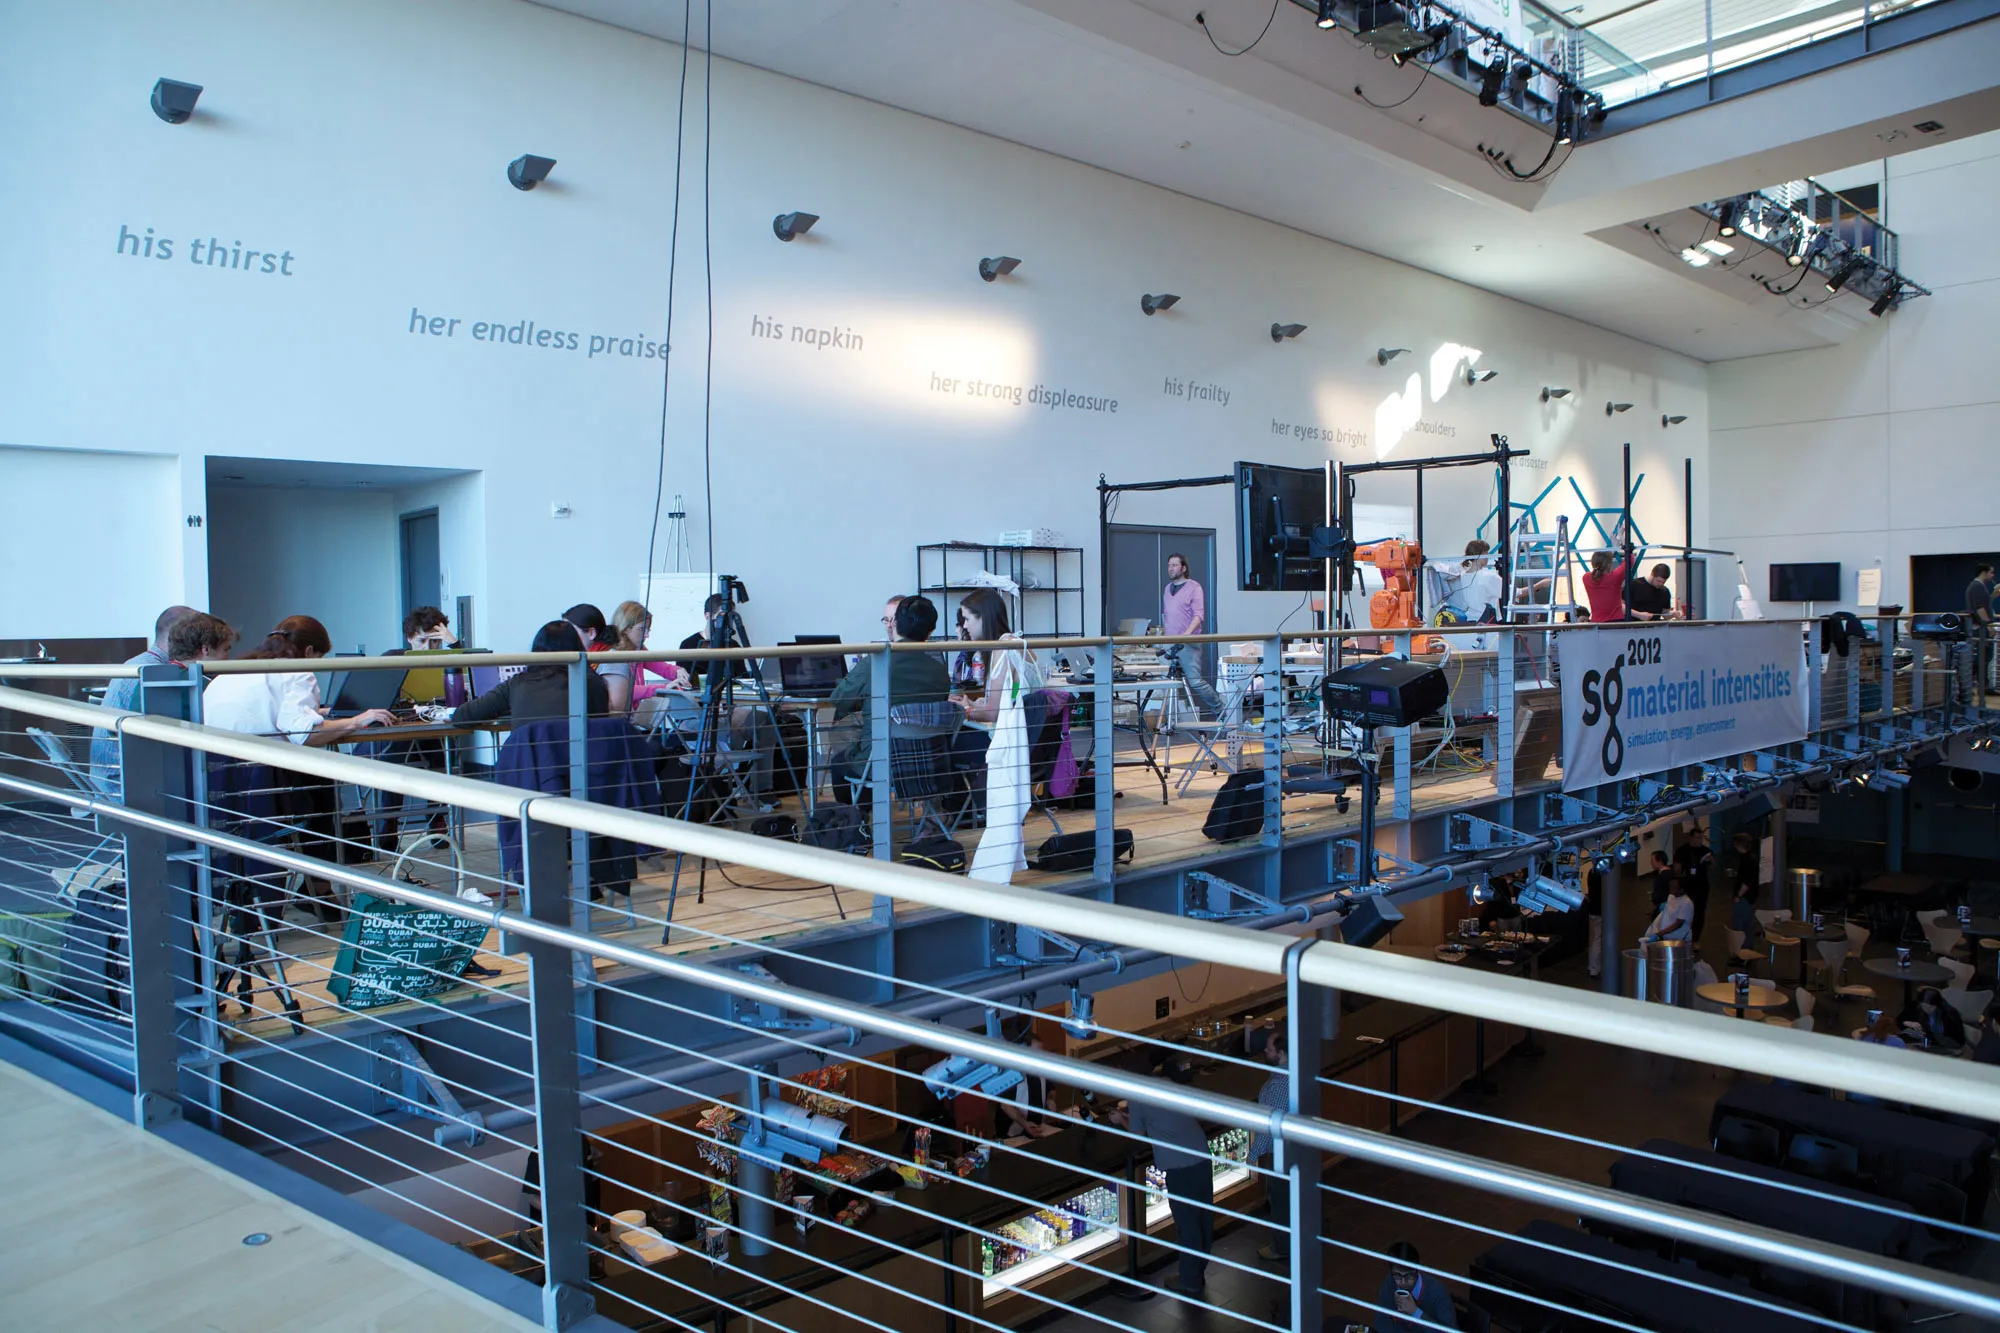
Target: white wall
x=331, y=554
x=89, y=543
x=368, y=140
x=461, y=505
x=1882, y=448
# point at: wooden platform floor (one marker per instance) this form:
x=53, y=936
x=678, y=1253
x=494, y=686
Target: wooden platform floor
x=109, y=1227
x=742, y=906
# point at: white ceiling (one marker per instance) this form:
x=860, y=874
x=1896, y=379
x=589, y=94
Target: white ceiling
x=1135, y=87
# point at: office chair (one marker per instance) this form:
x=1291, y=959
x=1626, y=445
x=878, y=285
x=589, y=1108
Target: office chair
x=1823, y=1158
x=1747, y=1140
x=920, y=771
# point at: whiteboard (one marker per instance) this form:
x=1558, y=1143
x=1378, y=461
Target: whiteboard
x=674, y=601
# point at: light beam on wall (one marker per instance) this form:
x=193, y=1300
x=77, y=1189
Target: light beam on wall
x=1444, y=366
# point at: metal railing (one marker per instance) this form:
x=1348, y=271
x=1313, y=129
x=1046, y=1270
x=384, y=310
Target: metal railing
x=601, y=1025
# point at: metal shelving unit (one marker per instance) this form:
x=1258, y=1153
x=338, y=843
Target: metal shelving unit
x=1052, y=606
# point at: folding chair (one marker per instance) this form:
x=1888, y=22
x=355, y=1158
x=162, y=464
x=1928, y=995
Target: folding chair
x=1180, y=718
x=79, y=776
x=920, y=771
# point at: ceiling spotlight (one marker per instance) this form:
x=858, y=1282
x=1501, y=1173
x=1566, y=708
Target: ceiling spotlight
x=1384, y=355
x=790, y=226
x=1434, y=37
x=1565, y=116
x=1491, y=80
x=1473, y=376
x=1482, y=893
x=527, y=171
x=1152, y=305
x=1517, y=82
x=1666, y=421
x=1854, y=264
x=173, y=101
x=1727, y=216
x=1888, y=298
x=1280, y=332
x=990, y=269
x=1610, y=408
x=1325, y=19
x=1549, y=394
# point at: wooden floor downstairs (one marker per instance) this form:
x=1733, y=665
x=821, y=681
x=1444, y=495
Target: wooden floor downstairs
x=110, y=1227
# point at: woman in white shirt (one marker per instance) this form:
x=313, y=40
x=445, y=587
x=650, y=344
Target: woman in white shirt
x=283, y=703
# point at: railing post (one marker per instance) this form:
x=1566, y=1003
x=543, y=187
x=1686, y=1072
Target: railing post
x=579, y=787
x=1504, y=739
x=1103, y=764
x=1400, y=803
x=1274, y=745
x=881, y=789
x=552, y=1025
x=1815, y=685
x=1611, y=954
x=161, y=912
x=1304, y=1031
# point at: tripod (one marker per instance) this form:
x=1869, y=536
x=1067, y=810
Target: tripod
x=718, y=709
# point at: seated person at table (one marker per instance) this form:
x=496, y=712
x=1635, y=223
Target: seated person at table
x=1883, y=1032
x=1936, y=1019
x=541, y=693
x=1417, y=1296
x=914, y=678
x=1676, y=918
x=1987, y=1052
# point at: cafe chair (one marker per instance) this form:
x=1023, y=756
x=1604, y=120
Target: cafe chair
x=1971, y=1004
x=1786, y=956
x=1823, y=1158
x=1943, y=936
x=1739, y=948
x=1857, y=945
x=1747, y=1140
x=1804, y=1021
x=1832, y=961
x=1961, y=973
x=1989, y=957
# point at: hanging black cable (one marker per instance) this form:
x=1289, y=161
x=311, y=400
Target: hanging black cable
x=673, y=250
x=1201, y=21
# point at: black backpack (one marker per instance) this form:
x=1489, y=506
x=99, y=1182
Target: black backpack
x=1238, y=810
x=934, y=853
x=839, y=828
x=1077, y=851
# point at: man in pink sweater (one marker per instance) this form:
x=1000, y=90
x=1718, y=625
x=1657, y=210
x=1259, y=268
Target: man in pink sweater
x=1183, y=610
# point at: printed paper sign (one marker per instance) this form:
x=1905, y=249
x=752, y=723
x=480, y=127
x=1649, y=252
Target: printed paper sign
x=1635, y=702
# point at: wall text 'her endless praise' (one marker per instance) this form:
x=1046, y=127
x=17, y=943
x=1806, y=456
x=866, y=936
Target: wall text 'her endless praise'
x=208, y=252
x=529, y=333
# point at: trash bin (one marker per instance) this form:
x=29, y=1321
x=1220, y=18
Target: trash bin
x=1663, y=972
x=1807, y=887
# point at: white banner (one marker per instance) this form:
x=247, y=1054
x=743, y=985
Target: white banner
x=1637, y=701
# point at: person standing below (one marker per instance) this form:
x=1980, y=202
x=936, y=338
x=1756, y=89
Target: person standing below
x=1416, y=1298
x=124, y=693
x=1180, y=1150
x=1746, y=874
x=997, y=734
x=1665, y=878
x=1649, y=598
x=1183, y=610
x=1604, y=587
x=1275, y=1095
x=1979, y=620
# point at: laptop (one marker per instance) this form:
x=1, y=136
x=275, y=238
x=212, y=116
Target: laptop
x=812, y=677
x=358, y=691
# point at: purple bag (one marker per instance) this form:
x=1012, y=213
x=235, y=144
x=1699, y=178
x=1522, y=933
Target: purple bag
x=1063, y=777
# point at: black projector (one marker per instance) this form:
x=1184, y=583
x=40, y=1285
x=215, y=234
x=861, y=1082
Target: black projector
x=1938, y=625
x=1386, y=691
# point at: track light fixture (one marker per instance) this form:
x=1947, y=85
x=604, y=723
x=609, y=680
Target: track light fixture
x=1475, y=376
x=1384, y=355
x=1280, y=332
x=1325, y=19
x=1888, y=298
x=998, y=267
x=1482, y=893
x=1152, y=305
x=527, y=171
x=1666, y=421
x=1549, y=395
x=1854, y=264
x=790, y=226
x=1613, y=408
x=1491, y=82
x=173, y=101
x=1517, y=82
x=1565, y=116
x=1727, y=216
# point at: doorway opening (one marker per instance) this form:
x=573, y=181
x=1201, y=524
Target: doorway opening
x=1136, y=572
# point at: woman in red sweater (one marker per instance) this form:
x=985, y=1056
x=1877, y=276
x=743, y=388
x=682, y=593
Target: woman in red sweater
x=1604, y=586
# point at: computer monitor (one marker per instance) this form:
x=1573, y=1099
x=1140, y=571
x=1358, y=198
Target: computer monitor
x=486, y=678
x=812, y=677
x=817, y=638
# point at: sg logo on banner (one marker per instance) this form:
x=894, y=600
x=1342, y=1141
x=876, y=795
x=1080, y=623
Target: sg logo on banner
x=1603, y=696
